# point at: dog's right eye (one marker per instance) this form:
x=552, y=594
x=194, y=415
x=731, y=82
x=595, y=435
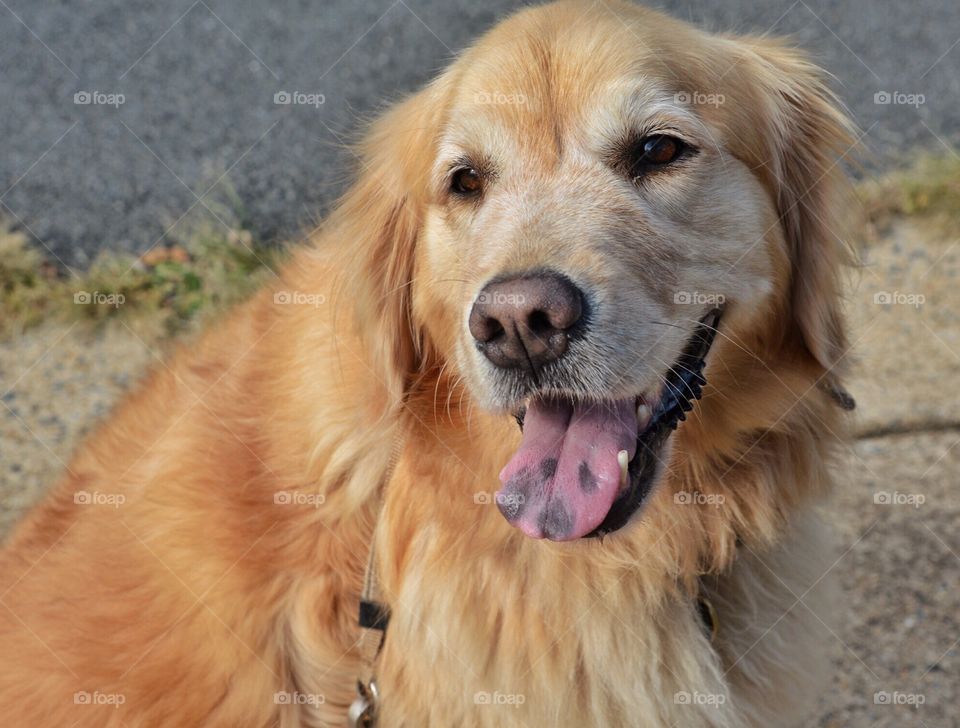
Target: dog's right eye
x=655, y=152
x=466, y=181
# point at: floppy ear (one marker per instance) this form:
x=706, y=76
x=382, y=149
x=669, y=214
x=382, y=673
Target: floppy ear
x=376, y=227
x=809, y=138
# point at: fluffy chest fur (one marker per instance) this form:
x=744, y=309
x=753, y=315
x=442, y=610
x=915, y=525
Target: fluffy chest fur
x=540, y=645
x=489, y=628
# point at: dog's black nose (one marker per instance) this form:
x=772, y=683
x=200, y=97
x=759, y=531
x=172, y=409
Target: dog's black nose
x=525, y=321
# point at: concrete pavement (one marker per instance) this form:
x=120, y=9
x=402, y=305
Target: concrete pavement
x=198, y=80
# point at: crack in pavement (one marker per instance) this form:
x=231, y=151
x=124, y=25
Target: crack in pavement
x=917, y=428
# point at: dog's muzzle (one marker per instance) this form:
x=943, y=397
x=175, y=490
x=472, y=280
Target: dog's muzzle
x=584, y=468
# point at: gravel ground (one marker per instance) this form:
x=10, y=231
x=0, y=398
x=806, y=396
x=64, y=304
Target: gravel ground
x=896, y=508
x=199, y=78
x=906, y=353
x=898, y=631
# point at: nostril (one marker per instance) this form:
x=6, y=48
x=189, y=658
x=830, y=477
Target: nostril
x=493, y=330
x=539, y=322
x=485, y=328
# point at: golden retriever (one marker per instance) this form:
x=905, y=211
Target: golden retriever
x=589, y=205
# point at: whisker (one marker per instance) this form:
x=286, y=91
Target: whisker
x=666, y=323
x=436, y=386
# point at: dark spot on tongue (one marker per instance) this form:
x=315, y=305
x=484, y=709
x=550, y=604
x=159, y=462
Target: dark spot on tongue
x=555, y=520
x=513, y=499
x=588, y=481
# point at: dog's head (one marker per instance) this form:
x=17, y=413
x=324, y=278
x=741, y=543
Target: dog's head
x=566, y=217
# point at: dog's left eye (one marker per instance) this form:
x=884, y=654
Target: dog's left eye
x=466, y=181
x=655, y=151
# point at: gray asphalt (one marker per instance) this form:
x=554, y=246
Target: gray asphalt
x=198, y=118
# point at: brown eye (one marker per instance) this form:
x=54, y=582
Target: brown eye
x=661, y=149
x=466, y=181
x=656, y=151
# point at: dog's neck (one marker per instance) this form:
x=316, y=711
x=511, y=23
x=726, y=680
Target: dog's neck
x=474, y=600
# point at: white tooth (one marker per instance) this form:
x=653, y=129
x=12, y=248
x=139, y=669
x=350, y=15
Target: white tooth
x=643, y=413
x=623, y=458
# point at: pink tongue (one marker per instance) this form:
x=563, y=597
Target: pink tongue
x=564, y=478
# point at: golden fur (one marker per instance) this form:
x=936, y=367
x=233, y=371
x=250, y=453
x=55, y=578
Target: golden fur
x=200, y=597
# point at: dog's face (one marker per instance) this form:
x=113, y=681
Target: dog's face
x=585, y=220
x=598, y=189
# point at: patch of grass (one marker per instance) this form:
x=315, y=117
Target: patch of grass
x=177, y=286
x=172, y=286
x=927, y=191
x=25, y=280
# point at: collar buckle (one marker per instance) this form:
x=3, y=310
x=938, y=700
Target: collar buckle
x=363, y=709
